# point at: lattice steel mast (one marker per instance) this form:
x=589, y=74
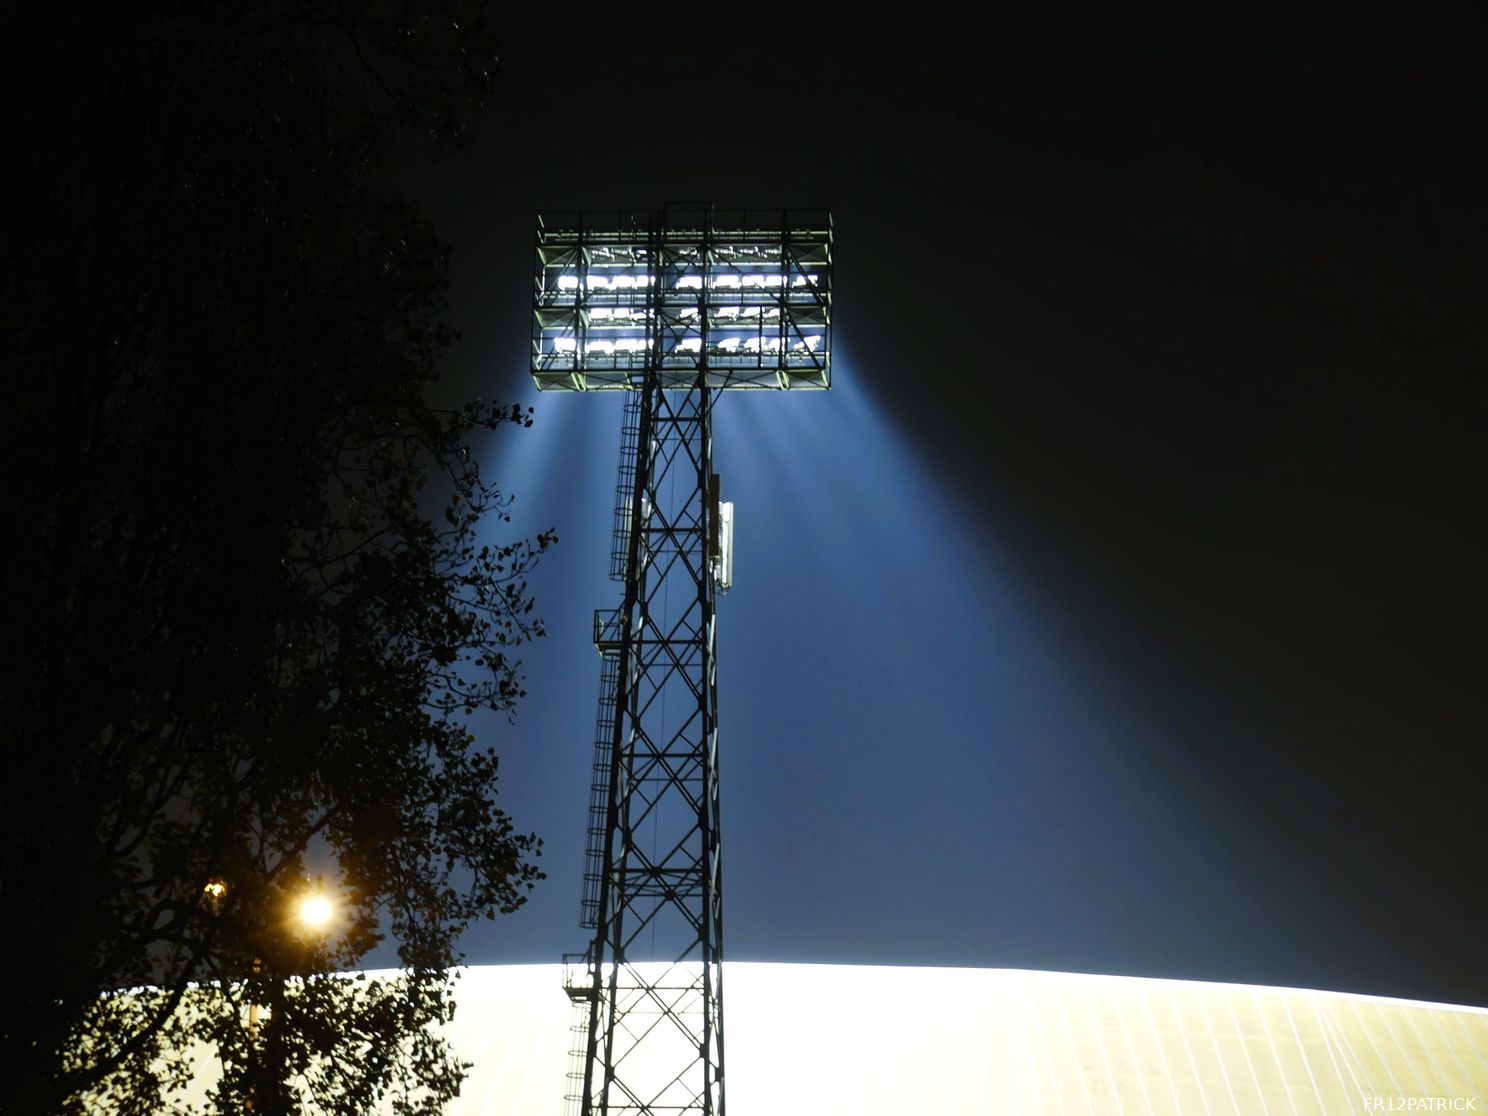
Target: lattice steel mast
x=673, y=307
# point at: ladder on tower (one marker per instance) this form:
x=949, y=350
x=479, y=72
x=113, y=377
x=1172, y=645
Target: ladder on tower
x=609, y=641
x=630, y=436
x=580, y=984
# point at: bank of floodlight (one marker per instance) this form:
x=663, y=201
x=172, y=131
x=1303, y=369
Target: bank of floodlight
x=747, y=298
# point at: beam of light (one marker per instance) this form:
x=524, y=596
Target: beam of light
x=980, y=782
x=944, y=722
x=561, y=473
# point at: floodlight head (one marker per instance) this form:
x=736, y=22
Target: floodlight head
x=728, y=299
x=723, y=560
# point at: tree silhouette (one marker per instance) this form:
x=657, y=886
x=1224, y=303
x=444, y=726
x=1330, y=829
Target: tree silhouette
x=244, y=638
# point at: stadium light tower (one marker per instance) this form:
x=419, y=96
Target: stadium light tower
x=672, y=307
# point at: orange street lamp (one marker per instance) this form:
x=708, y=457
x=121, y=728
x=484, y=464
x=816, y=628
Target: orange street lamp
x=315, y=911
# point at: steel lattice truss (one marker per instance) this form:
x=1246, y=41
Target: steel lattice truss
x=654, y=1040
x=673, y=308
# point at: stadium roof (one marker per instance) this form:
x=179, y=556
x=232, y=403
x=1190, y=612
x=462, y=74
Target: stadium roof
x=867, y=1040
x=820, y=1040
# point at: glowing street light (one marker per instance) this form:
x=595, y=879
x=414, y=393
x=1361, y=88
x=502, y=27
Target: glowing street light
x=315, y=911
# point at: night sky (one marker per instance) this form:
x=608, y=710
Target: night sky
x=1121, y=608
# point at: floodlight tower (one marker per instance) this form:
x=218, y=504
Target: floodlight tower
x=672, y=307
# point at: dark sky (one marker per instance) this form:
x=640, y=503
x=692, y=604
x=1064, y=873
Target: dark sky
x=1121, y=609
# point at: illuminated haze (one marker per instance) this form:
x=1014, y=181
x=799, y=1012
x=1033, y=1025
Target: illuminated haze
x=1114, y=612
